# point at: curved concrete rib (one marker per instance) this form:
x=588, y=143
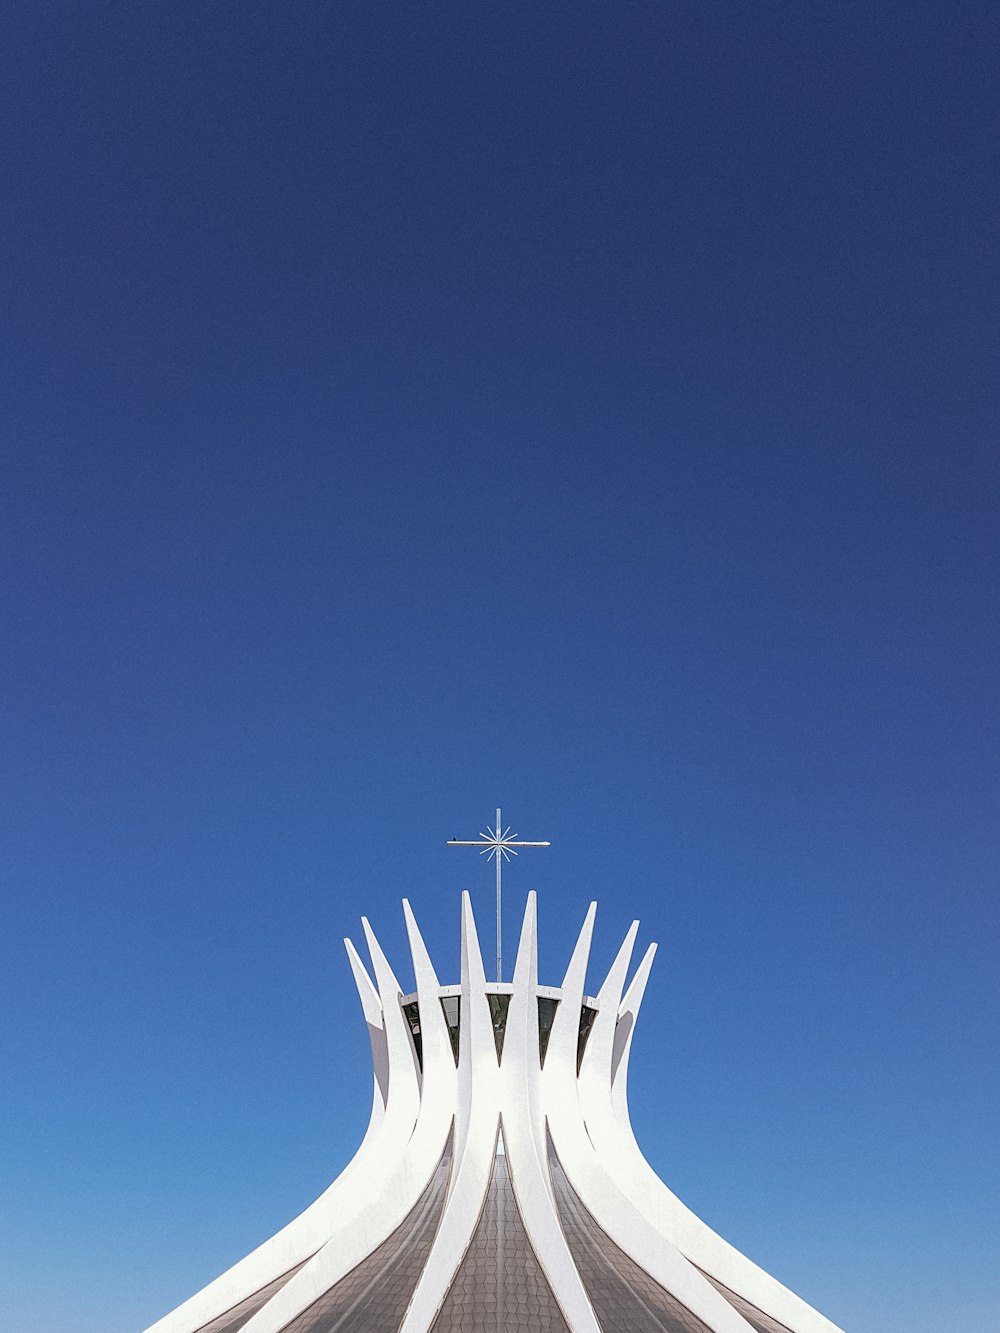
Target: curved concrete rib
x=438, y=1075
x=305, y=1234
x=524, y=1135
x=510, y=1103
x=393, y=1186
x=375, y=1022
x=596, y=1187
x=604, y=1099
x=477, y=1127
x=628, y=1013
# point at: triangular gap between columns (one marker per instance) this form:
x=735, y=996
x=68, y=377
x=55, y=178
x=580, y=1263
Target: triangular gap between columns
x=500, y=1279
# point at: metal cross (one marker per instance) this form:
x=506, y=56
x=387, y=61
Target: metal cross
x=499, y=845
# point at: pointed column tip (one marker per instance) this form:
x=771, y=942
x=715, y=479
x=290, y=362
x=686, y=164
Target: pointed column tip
x=614, y=982
x=638, y=982
x=418, y=949
x=410, y=918
x=628, y=944
x=370, y=936
x=528, y=942
x=373, y=945
x=352, y=952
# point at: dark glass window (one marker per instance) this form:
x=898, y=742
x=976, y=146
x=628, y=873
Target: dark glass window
x=499, y=1005
x=499, y=1009
x=546, y=1017
x=412, y=1012
x=452, y=1006
x=587, y=1016
x=624, y=1297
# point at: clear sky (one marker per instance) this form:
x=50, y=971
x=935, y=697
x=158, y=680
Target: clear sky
x=585, y=408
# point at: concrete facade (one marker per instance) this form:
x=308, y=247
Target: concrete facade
x=499, y=1185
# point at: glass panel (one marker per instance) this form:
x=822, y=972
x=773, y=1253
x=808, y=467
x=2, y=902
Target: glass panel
x=624, y=1297
x=500, y=1286
x=499, y=1004
x=239, y=1315
x=373, y=1297
x=757, y=1319
x=587, y=1016
x=452, y=1006
x=412, y=1012
x=546, y=1017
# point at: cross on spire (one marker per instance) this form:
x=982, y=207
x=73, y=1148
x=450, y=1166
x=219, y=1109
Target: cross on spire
x=497, y=844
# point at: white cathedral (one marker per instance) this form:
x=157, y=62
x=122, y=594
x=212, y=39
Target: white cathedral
x=499, y=1185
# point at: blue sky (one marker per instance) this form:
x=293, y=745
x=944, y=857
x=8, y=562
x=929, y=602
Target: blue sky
x=587, y=409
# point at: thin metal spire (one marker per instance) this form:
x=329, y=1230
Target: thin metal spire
x=497, y=844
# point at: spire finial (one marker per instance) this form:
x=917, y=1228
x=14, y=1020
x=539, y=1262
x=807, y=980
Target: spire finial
x=497, y=844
